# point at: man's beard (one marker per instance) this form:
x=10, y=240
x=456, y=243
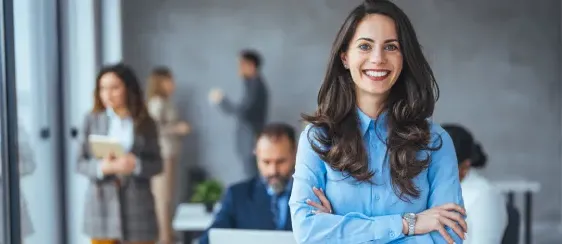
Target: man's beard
x=278, y=186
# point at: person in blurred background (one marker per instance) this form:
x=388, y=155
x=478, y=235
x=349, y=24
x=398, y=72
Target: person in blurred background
x=251, y=113
x=27, y=166
x=262, y=201
x=485, y=206
x=162, y=109
x=119, y=201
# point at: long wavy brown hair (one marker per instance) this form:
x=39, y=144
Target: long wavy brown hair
x=409, y=105
x=134, y=96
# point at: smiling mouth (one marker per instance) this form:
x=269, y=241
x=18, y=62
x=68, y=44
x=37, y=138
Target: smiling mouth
x=376, y=75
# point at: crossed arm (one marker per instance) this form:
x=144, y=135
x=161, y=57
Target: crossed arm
x=311, y=224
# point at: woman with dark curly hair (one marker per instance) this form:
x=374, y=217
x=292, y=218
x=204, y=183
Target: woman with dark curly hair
x=371, y=167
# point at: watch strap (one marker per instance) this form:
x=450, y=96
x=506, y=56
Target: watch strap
x=411, y=222
x=411, y=226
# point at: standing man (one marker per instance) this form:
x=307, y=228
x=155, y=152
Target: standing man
x=251, y=112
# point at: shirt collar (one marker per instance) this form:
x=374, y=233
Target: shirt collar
x=471, y=176
x=109, y=112
x=365, y=122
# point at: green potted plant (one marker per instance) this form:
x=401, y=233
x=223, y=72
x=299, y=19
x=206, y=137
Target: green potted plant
x=207, y=192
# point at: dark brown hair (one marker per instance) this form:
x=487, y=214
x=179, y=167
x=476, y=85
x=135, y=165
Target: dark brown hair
x=134, y=97
x=462, y=141
x=154, y=87
x=279, y=130
x=253, y=56
x=410, y=103
x=465, y=145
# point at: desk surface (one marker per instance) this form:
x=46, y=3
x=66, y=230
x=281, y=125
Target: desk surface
x=228, y=236
x=192, y=217
x=517, y=186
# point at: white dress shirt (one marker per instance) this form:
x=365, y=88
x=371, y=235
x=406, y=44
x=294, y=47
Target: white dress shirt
x=485, y=208
x=122, y=129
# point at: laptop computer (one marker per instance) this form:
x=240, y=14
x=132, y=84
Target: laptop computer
x=238, y=236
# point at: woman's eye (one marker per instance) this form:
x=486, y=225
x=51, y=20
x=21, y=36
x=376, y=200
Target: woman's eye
x=365, y=47
x=391, y=47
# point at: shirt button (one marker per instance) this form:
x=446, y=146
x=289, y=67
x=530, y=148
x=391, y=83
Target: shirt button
x=391, y=234
x=377, y=197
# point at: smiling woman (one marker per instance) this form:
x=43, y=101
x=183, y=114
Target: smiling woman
x=374, y=63
x=378, y=169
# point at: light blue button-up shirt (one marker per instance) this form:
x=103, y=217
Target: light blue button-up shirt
x=364, y=212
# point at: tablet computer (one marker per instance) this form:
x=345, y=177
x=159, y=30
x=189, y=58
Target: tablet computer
x=103, y=146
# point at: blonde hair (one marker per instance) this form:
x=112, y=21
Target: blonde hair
x=154, y=88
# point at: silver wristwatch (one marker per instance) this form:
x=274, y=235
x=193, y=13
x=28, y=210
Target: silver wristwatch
x=411, y=221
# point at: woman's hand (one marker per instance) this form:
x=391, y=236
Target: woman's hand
x=324, y=206
x=125, y=164
x=107, y=165
x=435, y=219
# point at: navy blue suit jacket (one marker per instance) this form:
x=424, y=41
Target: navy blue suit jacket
x=246, y=205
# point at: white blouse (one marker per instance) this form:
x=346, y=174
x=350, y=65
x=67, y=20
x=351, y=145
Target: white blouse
x=485, y=208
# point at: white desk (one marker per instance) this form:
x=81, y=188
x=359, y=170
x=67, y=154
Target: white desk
x=234, y=236
x=191, y=219
x=527, y=188
x=517, y=186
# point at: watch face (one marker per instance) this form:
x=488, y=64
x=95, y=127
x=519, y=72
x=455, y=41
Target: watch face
x=410, y=216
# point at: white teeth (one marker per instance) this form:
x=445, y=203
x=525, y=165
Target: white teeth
x=376, y=73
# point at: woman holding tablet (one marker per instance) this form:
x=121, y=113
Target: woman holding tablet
x=371, y=167
x=119, y=202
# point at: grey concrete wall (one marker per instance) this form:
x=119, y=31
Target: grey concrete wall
x=497, y=63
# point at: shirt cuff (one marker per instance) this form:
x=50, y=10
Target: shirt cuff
x=394, y=229
x=138, y=167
